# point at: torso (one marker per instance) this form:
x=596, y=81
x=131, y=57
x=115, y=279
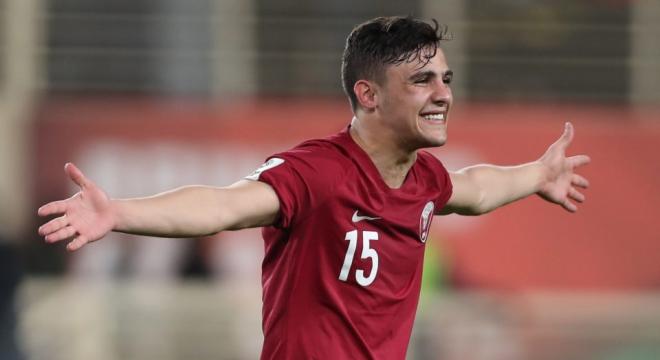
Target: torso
x=342, y=271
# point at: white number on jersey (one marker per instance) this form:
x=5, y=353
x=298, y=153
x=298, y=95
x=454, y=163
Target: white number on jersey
x=367, y=253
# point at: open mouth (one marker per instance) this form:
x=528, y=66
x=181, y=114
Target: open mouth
x=436, y=117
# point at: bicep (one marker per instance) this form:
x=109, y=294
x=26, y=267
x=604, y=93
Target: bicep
x=466, y=195
x=247, y=204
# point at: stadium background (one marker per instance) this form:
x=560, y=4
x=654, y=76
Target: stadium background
x=151, y=94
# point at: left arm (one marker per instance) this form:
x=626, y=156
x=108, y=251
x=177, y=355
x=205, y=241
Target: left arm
x=482, y=188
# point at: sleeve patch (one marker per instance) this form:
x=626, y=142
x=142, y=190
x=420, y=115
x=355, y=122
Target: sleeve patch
x=271, y=163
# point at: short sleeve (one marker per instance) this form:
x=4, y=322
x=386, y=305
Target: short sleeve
x=280, y=173
x=444, y=183
x=302, y=179
x=440, y=180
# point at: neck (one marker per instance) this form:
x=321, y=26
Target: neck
x=390, y=158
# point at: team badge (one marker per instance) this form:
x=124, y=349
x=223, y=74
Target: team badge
x=271, y=163
x=425, y=221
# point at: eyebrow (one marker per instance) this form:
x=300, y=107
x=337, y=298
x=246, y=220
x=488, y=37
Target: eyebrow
x=430, y=73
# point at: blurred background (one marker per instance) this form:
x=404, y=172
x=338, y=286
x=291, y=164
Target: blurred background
x=146, y=95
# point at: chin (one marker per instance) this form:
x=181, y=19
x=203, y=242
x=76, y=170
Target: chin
x=432, y=136
x=431, y=142
x=435, y=140
x=438, y=142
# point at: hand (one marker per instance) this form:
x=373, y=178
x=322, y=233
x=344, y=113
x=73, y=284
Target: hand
x=87, y=216
x=560, y=182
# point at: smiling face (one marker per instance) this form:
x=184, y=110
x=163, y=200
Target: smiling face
x=413, y=101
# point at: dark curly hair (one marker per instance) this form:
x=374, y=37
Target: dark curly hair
x=383, y=41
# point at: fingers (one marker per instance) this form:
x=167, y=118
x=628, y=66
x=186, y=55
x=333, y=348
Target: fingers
x=579, y=160
x=567, y=136
x=58, y=230
x=576, y=195
x=76, y=175
x=76, y=243
x=579, y=181
x=55, y=207
x=573, y=194
x=53, y=225
x=568, y=205
x=61, y=234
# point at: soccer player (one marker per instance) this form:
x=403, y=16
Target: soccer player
x=345, y=217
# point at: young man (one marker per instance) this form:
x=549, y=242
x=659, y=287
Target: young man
x=346, y=217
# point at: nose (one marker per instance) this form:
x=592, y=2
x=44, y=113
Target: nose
x=441, y=93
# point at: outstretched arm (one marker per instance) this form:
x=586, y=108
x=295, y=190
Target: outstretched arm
x=482, y=188
x=184, y=212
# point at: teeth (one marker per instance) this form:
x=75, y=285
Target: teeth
x=434, y=117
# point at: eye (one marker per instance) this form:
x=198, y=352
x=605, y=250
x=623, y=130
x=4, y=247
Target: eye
x=422, y=80
x=448, y=78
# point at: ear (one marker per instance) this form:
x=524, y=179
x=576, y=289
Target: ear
x=365, y=92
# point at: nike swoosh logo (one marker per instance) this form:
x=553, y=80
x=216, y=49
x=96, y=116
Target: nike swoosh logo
x=357, y=218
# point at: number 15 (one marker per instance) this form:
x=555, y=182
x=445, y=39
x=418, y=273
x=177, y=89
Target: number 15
x=367, y=253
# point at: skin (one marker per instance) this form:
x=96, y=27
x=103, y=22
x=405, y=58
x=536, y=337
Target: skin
x=388, y=125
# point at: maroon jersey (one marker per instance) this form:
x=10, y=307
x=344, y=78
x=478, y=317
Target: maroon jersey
x=343, y=264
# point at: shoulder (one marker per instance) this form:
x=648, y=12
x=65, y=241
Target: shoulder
x=429, y=162
x=314, y=148
x=317, y=163
x=316, y=157
x=435, y=176
x=303, y=177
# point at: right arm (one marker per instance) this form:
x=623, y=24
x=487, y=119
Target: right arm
x=184, y=212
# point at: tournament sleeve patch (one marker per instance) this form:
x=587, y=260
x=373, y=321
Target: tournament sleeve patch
x=271, y=163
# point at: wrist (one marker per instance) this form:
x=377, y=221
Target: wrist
x=115, y=210
x=540, y=176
